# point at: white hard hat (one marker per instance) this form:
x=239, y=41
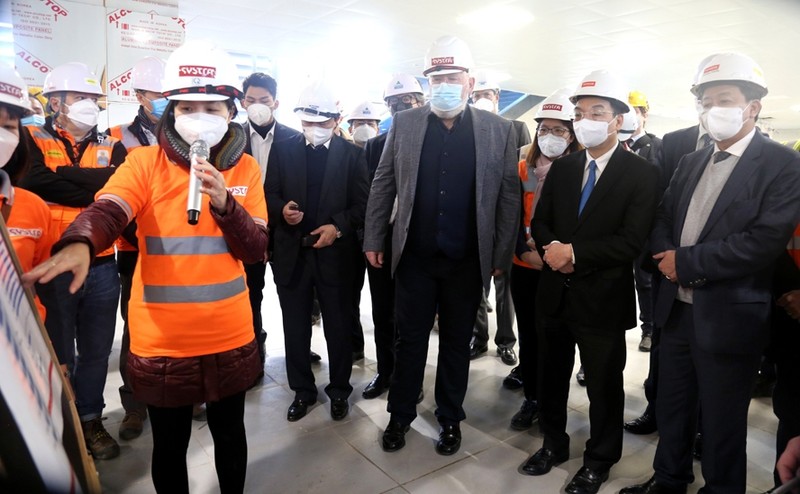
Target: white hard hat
x=317, y=104
x=72, y=76
x=199, y=71
x=730, y=67
x=148, y=74
x=13, y=90
x=484, y=81
x=447, y=55
x=402, y=84
x=367, y=110
x=630, y=122
x=556, y=106
x=603, y=84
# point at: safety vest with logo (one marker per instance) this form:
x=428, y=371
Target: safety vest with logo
x=528, y=191
x=95, y=155
x=29, y=227
x=189, y=295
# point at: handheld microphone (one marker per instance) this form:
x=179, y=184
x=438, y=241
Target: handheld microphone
x=198, y=149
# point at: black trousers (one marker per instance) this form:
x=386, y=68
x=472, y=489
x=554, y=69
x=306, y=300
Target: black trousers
x=381, y=291
x=296, y=300
x=786, y=397
x=255, y=274
x=358, y=284
x=172, y=428
x=424, y=285
x=718, y=383
x=524, y=282
x=603, y=357
x=126, y=264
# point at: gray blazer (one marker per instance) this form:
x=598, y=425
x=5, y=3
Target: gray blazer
x=497, y=193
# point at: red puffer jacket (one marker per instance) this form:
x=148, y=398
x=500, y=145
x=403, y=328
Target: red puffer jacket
x=174, y=382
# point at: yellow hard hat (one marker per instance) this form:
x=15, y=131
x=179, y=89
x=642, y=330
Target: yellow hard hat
x=637, y=98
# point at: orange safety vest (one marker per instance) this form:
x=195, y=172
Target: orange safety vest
x=794, y=246
x=189, y=295
x=528, y=191
x=96, y=155
x=29, y=227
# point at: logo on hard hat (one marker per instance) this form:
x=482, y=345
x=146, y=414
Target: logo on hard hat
x=366, y=111
x=398, y=85
x=588, y=84
x=551, y=106
x=10, y=90
x=711, y=68
x=196, y=71
x=442, y=61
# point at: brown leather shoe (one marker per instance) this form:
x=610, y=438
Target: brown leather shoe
x=98, y=441
x=131, y=426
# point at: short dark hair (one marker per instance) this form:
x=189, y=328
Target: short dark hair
x=262, y=80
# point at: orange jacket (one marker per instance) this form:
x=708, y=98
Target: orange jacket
x=30, y=232
x=189, y=296
x=527, y=203
x=95, y=155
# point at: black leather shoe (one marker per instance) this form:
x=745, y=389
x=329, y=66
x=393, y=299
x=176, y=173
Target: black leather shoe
x=542, y=462
x=298, y=410
x=375, y=388
x=394, y=437
x=314, y=356
x=339, y=408
x=476, y=351
x=652, y=487
x=646, y=344
x=359, y=355
x=449, y=440
x=507, y=355
x=514, y=379
x=527, y=414
x=586, y=481
x=581, y=377
x=646, y=424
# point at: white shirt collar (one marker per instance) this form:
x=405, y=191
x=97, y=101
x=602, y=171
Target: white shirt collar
x=601, y=161
x=738, y=147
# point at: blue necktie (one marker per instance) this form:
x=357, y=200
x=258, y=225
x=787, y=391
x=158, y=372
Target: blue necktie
x=587, y=189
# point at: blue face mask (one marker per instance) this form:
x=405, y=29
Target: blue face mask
x=37, y=120
x=159, y=105
x=446, y=97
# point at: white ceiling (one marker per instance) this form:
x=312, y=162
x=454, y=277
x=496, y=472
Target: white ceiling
x=655, y=44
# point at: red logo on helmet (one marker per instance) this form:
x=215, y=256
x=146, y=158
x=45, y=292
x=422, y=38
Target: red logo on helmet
x=13, y=91
x=711, y=68
x=442, y=61
x=552, y=106
x=588, y=84
x=197, y=71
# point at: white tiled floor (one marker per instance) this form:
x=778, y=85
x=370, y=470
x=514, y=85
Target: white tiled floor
x=317, y=455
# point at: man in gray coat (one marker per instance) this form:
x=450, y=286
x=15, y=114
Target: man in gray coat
x=453, y=170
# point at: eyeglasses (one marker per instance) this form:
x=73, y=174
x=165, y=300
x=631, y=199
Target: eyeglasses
x=592, y=115
x=405, y=98
x=556, y=131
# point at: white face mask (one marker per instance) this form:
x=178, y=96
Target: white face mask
x=723, y=122
x=552, y=146
x=201, y=126
x=84, y=114
x=485, y=104
x=364, y=133
x=447, y=101
x=591, y=133
x=317, y=136
x=259, y=114
x=8, y=144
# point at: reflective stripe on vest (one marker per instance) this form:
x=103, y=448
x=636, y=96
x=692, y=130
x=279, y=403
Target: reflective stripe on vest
x=186, y=246
x=160, y=294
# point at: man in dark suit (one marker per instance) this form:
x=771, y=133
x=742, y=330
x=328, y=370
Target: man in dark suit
x=262, y=130
x=591, y=222
x=403, y=92
x=453, y=171
x=675, y=146
x=316, y=189
x=724, y=220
